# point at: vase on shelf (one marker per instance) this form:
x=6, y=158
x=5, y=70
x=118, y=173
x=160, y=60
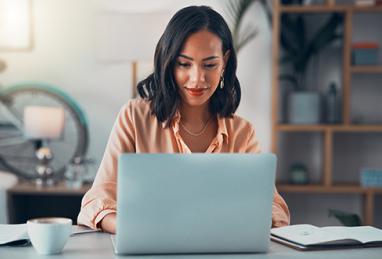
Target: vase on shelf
x=333, y=104
x=304, y=107
x=298, y=174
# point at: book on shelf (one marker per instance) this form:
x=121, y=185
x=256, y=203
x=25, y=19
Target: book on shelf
x=309, y=237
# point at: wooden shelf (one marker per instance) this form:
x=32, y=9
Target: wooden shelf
x=329, y=127
x=299, y=128
x=370, y=9
x=328, y=8
x=366, y=69
x=316, y=188
x=313, y=8
x=358, y=128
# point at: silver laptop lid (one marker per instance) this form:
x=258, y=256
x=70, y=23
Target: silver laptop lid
x=194, y=203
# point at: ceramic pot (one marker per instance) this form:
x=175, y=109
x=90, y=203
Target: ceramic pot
x=304, y=108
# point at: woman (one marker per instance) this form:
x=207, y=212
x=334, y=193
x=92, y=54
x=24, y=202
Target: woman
x=187, y=105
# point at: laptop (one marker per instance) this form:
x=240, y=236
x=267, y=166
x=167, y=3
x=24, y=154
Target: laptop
x=194, y=203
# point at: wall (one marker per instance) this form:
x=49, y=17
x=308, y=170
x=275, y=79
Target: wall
x=64, y=54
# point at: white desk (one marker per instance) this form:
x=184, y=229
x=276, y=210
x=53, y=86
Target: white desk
x=98, y=246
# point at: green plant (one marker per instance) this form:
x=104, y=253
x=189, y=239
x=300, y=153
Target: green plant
x=346, y=219
x=236, y=11
x=299, y=50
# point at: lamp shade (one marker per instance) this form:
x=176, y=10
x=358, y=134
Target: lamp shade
x=129, y=36
x=42, y=122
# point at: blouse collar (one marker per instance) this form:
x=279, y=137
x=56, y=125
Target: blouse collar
x=222, y=126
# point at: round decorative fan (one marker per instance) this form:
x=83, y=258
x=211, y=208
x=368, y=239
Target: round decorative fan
x=17, y=153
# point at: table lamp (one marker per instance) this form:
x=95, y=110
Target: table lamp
x=43, y=123
x=130, y=37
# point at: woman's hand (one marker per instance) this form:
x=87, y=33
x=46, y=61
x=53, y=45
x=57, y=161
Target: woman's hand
x=108, y=223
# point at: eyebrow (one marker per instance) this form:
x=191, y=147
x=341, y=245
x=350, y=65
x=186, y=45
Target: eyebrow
x=204, y=59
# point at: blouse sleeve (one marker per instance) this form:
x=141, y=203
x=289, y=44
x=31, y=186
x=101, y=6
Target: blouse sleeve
x=280, y=211
x=100, y=199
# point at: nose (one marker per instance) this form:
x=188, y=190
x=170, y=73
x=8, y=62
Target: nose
x=197, y=75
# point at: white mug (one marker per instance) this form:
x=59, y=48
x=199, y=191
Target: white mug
x=49, y=235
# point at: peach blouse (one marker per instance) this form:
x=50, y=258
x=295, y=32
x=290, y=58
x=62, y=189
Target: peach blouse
x=137, y=130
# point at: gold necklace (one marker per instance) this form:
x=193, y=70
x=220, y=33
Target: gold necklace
x=198, y=134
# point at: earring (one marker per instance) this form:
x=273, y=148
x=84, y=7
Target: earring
x=221, y=82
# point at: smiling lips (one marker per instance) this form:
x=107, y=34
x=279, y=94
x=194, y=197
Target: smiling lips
x=196, y=91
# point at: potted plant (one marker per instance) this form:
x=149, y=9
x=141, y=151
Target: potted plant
x=303, y=105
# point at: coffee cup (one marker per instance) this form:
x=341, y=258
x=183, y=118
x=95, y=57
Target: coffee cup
x=49, y=235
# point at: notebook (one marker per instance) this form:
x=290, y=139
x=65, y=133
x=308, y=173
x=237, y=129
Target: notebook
x=309, y=237
x=194, y=203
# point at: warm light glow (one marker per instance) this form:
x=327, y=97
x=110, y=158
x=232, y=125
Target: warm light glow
x=41, y=122
x=15, y=24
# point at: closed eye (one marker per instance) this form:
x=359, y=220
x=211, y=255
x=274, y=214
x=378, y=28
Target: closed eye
x=210, y=65
x=182, y=64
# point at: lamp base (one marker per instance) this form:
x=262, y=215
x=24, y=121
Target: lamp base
x=45, y=182
x=43, y=169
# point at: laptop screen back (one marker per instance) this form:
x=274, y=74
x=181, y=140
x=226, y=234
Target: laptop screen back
x=194, y=203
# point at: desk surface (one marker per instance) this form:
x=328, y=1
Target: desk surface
x=98, y=245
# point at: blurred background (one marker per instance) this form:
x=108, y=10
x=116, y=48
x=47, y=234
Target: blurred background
x=310, y=73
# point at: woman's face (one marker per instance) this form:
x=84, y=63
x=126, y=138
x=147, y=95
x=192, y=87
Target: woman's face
x=199, y=67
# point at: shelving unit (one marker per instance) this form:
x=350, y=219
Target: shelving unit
x=326, y=131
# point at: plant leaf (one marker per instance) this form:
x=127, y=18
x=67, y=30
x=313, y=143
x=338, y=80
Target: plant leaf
x=300, y=32
x=346, y=218
x=287, y=58
x=288, y=35
x=236, y=10
x=246, y=35
x=325, y=36
x=292, y=79
x=322, y=38
x=267, y=7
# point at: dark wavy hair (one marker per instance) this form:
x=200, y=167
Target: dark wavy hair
x=160, y=87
